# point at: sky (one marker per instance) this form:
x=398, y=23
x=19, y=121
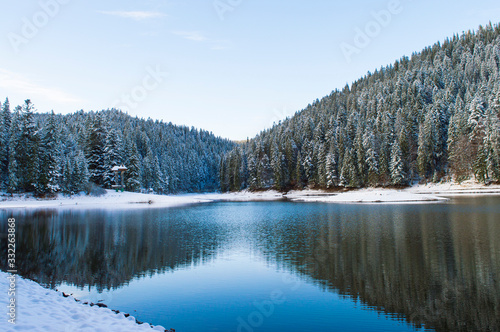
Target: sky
x=232, y=67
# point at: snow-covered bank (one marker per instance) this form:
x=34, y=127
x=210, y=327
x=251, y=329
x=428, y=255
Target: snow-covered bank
x=418, y=193
x=129, y=200
x=121, y=200
x=454, y=189
x=41, y=309
x=110, y=200
x=369, y=195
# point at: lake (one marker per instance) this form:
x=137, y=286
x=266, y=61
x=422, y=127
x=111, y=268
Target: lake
x=276, y=266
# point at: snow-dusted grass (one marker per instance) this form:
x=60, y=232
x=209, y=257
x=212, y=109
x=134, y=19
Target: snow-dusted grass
x=41, y=309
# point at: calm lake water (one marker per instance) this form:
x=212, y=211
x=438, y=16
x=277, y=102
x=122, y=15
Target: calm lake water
x=276, y=266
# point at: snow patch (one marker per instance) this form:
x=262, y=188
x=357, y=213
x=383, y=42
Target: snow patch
x=130, y=200
x=363, y=196
x=41, y=309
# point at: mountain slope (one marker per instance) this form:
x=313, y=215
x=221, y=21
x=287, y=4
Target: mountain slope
x=434, y=116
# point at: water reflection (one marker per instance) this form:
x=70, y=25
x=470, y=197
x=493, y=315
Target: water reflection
x=436, y=265
x=433, y=265
x=107, y=249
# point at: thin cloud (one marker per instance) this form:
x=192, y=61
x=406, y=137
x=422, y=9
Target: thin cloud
x=191, y=35
x=22, y=86
x=199, y=37
x=218, y=47
x=135, y=15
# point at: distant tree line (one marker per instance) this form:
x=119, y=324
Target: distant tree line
x=49, y=153
x=432, y=117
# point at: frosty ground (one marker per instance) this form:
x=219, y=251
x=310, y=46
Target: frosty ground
x=41, y=309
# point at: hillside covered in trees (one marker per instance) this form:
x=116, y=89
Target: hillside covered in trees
x=432, y=117
x=49, y=153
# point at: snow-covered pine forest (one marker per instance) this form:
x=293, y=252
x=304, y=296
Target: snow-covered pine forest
x=49, y=153
x=432, y=117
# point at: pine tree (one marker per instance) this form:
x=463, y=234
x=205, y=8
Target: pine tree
x=277, y=167
x=476, y=123
x=299, y=172
x=95, y=150
x=48, y=176
x=361, y=154
x=309, y=164
x=349, y=175
x=112, y=157
x=68, y=182
x=266, y=172
x=331, y=170
x=133, y=175
x=321, y=161
x=253, y=181
x=491, y=146
x=27, y=150
x=371, y=156
x=398, y=175
x=427, y=145
x=223, y=175
x=5, y=123
x=235, y=170
x=459, y=149
x=152, y=176
x=157, y=178
x=80, y=172
x=14, y=181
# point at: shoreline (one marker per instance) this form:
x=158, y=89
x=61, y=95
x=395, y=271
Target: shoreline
x=128, y=200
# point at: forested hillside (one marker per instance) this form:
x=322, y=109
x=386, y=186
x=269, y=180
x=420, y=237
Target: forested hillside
x=48, y=153
x=432, y=117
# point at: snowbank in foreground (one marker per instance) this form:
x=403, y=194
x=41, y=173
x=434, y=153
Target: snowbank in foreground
x=41, y=309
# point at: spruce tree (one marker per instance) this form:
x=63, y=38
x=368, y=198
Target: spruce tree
x=372, y=165
x=95, y=150
x=133, y=175
x=49, y=176
x=27, y=150
x=80, y=173
x=331, y=170
x=112, y=157
x=398, y=175
x=459, y=148
x=299, y=172
x=14, y=181
x=5, y=123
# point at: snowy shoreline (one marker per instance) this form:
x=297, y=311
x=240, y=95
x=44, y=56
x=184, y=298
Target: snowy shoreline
x=41, y=309
x=129, y=200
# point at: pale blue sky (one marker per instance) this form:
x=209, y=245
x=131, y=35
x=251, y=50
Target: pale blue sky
x=228, y=66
